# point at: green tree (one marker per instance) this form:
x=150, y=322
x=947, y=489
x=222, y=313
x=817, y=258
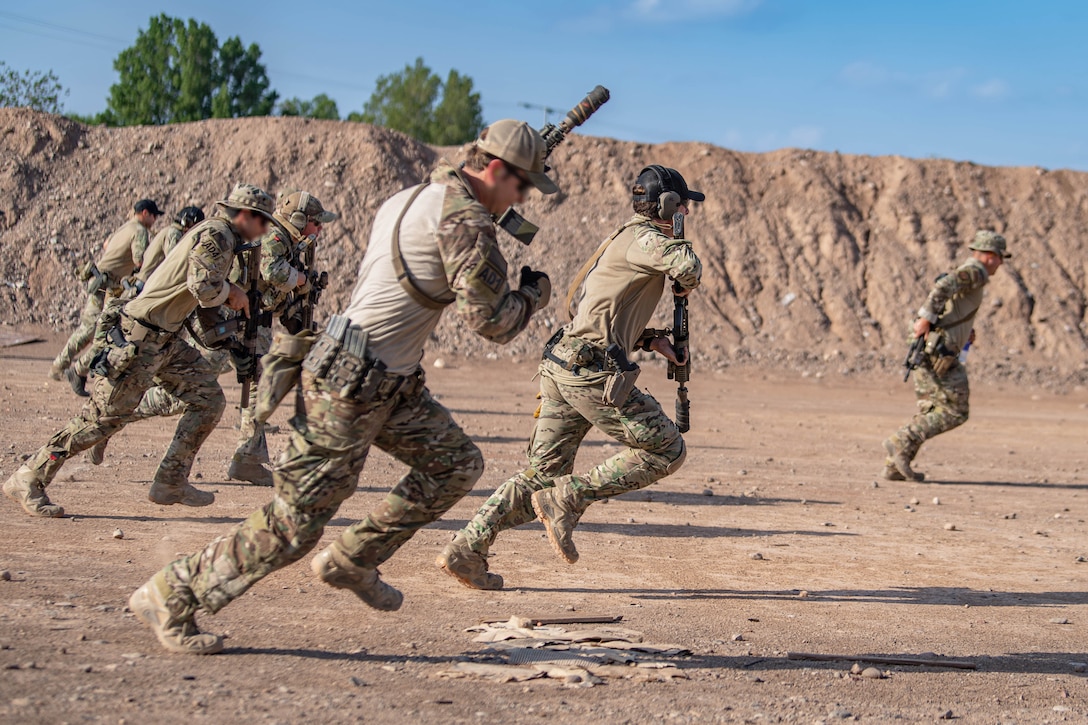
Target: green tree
x=417, y=102
x=34, y=89
x=320, y=107
x=176, y=71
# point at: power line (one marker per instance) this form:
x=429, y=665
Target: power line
x=55, y=26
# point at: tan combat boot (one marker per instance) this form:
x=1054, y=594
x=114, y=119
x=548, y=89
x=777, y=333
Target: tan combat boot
x=559, y=511
x=247, y=468
x=169, y=489
x=175, y=633
x=23, y=486
x=899, y=459
x=97, y=453
x=335, y=569
x=467, y=566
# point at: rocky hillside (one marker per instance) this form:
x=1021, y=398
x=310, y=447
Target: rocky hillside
x=813, y=260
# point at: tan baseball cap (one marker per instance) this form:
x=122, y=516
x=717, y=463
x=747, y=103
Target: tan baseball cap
x=987, y=241
x=518, y=144
x=310, y=206
x=248, y=196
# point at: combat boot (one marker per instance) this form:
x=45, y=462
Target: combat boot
x=177, y=632
x=467, y=566
x=98, y=452
x=559, y=509
x=78, y=382
x=246, y=468
x=899, y=458
x=335, y=569
x=23, y=486
x=168, y=489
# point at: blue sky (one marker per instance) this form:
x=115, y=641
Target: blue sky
x=995, y=82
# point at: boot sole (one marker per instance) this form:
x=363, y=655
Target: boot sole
x=467, y=584
x=551, y=536
x=144, y=614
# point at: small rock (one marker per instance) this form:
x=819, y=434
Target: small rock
x=856, y=669
x=1059, y=620
x=738, y=637
x=1079, y=560
x=198, y=475
x=802, y=594
x=438, y=363
x=875, y=484
x=86, y=668
x=936, y=501
x=706, y=492
x=742, y=472
x=356, y=681
x=946, y=715
x=1060, y=708
x=949, y=527
x=118, y=534
x=914, y=502
x=872, y=673
x=757, y=556
x=841, y=713
x=5, y=575
x=709, y=479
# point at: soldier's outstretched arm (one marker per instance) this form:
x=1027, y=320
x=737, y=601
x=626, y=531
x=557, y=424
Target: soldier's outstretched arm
x=477, y=273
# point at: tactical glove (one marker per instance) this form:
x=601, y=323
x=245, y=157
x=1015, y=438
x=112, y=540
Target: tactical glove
x=541, y=283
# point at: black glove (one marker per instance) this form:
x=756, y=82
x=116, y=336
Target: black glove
x=540, y=281
x=241, y=360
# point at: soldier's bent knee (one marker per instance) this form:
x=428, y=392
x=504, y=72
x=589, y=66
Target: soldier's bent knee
x=675, y=454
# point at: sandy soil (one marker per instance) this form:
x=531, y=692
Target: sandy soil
x=791, y=463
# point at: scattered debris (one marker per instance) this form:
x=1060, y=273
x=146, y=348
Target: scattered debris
x=927, y=660
x=950, y=527
x=757, y=556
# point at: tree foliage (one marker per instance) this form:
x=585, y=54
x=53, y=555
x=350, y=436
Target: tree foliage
x=416, y=101
x=176, y=71
x=34, y=89
x=320, y=107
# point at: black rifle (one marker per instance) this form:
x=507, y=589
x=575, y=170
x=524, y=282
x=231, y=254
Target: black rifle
x=680, y=372
x=251, y=273
x=299, y=313
x=514, y=223
x=915, y=355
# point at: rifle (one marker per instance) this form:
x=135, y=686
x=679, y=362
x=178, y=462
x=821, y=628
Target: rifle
x=514, y=223
x=680, y=372
x=299, y=314
x=915, y=355
x=251, y=273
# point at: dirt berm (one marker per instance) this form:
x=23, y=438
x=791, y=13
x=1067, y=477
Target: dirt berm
x=812, y=260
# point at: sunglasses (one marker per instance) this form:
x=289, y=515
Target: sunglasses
x=523, y=182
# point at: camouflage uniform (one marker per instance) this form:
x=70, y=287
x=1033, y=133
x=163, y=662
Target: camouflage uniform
x=167, y=238
x=940, y=381
x=124, y=252
x=153, y=353
x=621, y=291
x=449, y=240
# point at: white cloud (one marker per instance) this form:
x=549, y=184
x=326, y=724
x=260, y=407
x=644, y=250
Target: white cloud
x=806, y=136
x=659, y=11
x=992, y=90
x=934, y=84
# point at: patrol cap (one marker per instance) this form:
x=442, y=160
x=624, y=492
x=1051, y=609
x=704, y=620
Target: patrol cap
x=248, y=196
x=987, y=241
x=147, y=205
x=518, y=144
x=311, y=208
x=656, y=180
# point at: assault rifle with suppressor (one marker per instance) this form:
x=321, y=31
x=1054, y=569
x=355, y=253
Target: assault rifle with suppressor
x=299, y=313
x=514, y=223
x=681, y=371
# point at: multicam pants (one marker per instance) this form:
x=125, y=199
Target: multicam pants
x=942, y=405
x=170, y=363
x=319, y=471
x=79, y=339
x=567, y=413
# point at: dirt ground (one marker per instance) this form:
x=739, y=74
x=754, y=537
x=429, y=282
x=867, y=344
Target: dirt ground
x=991, y=574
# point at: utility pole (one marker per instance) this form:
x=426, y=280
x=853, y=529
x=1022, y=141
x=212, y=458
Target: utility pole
x=545, y=109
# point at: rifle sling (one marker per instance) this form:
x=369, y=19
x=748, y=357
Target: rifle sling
x=589, y=265
x=407, y=281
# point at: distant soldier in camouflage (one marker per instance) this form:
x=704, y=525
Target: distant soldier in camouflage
x=145, y=350
x=123, y=254
x=431, y=246
x=298, y=220
x=582, y=386
x=940, y=381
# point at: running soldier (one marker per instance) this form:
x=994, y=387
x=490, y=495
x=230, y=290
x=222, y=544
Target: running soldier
x=123, y=253
x=583, y=385
x=431, y=246
x=297, y=222
x=145, y=350
x=940, y=380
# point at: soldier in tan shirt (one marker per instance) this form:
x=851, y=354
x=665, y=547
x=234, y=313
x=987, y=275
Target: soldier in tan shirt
x=123, y=252
x=145, y=350
x=582, y=387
